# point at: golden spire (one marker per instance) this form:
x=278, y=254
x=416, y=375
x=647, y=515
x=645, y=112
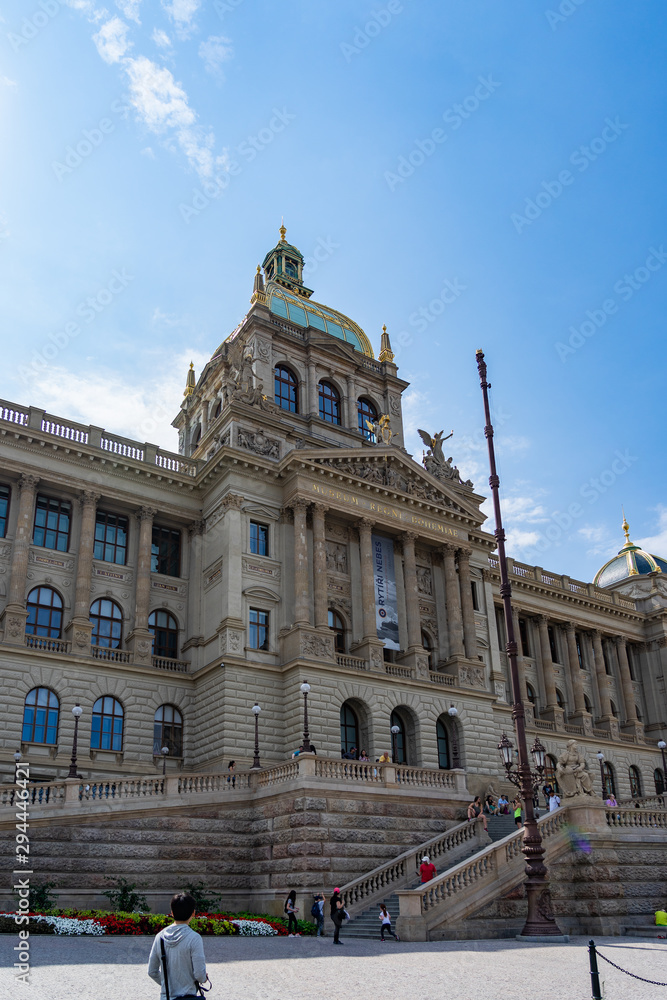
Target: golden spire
x=190, y=382
x=282, y=229
x=626, y=528
x=386, y=353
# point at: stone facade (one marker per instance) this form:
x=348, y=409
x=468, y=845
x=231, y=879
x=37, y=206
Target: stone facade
x=245, y=541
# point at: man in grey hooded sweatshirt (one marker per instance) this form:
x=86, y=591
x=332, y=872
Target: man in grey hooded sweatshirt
x=184, y=950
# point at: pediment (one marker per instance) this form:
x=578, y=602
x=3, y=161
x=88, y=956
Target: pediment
x=259, y=510
x=261, y=594
x=395, y=472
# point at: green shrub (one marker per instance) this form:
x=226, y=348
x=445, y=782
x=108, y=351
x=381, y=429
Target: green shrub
x=124, y=897
x=204, y=903
x=40, y=896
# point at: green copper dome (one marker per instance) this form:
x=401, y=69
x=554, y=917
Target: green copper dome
x=630, y=561
x=305, y=313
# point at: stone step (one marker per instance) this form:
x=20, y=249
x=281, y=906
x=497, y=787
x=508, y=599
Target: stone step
x=645, y=931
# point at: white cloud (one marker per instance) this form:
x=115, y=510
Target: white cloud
x=111, y=40
x=147, y=151
x=148, y=405
x=130, y=9
x=523, y=509
x=182, y=12
x=519, y=541
x=657, y=544
x=214, y=51
x=6, y=82
x=159, y=101
x=161, y=38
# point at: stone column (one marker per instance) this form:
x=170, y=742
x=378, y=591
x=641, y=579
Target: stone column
x=313, y=398
x=601, y=676
x=519, y=661
x=365, y=526
x=351, y=403
x=80, y=627
x=626, y=679
x=453, y=601
x=468, y=612
x=411, y=590
x=15, y=614
x=320, y=566
x=547, y=665
x=301, y=584
x=575, y=670
x=140, y=639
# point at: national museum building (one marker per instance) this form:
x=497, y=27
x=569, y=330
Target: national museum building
x=293, y=538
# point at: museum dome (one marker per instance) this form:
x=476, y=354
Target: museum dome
x=630, y=561
x=289, y=299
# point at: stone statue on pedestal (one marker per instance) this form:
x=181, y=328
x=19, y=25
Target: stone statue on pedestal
x=572, y=772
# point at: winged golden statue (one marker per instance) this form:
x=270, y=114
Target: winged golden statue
x=435, y=444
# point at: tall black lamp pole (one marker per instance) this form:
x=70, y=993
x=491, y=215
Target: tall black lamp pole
x=305, y=688
x=540, y=921
x=77, y=712
x=255, y=761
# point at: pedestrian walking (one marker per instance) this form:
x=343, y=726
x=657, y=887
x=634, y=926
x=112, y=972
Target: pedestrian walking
x=291, y=910
x=554, y=802
x=516, y=806
x=317, y=913
x=337, y=914
x=427, y=870
x=177, y=962
x=231, y=775
x=385, y=923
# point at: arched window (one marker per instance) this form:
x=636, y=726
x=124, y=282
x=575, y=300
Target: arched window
x=398, y=741
x=530, y=694
x=106, y=731
x=638, y=713
x=444, y=759
x=168, y=731
x=107, y=619
x=366, y=411
x=635, y=782
x=614, y=710
x=45, y=613
x=329, y=403
x=40, y=717
x=197, y=437
x=349, y=729
x=427, y=643
x=165, y=634
x=608, y=783
x=337, y=625
x=659, y=780
x=218, y=410
x=587, y=704
x=286, y=388
x=550, y=773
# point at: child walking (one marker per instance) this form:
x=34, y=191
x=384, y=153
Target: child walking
x=385, y=923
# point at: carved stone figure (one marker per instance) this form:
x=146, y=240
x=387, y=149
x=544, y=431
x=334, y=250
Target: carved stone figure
x=435, y=462
x=336, y=557
x=381, y=429
x=471, y=676
x=572, y=772
x=434, y=444
x=258, y=442
x=424, y=581
x=316, y=645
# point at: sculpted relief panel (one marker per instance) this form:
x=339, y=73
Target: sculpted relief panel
x=336, y=557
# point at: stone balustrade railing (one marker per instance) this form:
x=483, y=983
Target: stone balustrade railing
x=394, y=874
x=93, y=438
x=109, y=790
x=647, y=818
x=645, y=802
x=352, y=662
x=526, y=572
x=47, y=645
x=456, y=889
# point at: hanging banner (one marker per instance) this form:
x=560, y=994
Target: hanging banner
x=386, y=608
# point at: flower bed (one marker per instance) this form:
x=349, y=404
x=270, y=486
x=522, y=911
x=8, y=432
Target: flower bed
x=98, y=922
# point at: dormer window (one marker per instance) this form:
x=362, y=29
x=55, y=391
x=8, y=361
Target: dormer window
x=269, y=271
x=291, y=269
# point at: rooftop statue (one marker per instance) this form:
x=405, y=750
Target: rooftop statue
x=381, y=429
x=572, y=772
x=435, y=462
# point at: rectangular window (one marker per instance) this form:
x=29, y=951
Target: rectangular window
x=631, y=662
x=52, y=523
x=500, y=627
x=259, y=629
x=259, y=539
x=166, y=551
x=110, y=538
x=553, y=648
x=4, y=509
x=580, y=654
x=475, y=601
x=523, y=632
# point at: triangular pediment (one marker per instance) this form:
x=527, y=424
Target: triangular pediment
x=395, y=473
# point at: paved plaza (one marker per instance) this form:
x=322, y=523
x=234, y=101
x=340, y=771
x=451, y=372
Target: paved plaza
x=114, y=968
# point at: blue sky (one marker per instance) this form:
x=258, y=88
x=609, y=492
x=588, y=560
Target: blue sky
x=474, y=174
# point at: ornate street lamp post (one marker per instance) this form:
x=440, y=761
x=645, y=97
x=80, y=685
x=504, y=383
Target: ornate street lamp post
x=540, y=921
x=395, y=730
x=305, y=688
x=600, y=757
x=255, y=711
x=77, y=712
x=165, y=754
x=661, y=748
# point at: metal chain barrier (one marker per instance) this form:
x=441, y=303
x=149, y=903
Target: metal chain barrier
x=651, y=982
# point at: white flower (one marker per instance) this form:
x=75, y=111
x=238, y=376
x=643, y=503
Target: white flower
x=254, y=928
x=66, y=925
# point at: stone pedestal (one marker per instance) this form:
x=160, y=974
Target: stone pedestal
x=554, y=714
x=79, y=632
x=371, y=650
x=299, y=643
x=231, y=632
x=583, y=719
x=140, y=644
x=416, y=659
x=13, y=621
x=468, y=673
